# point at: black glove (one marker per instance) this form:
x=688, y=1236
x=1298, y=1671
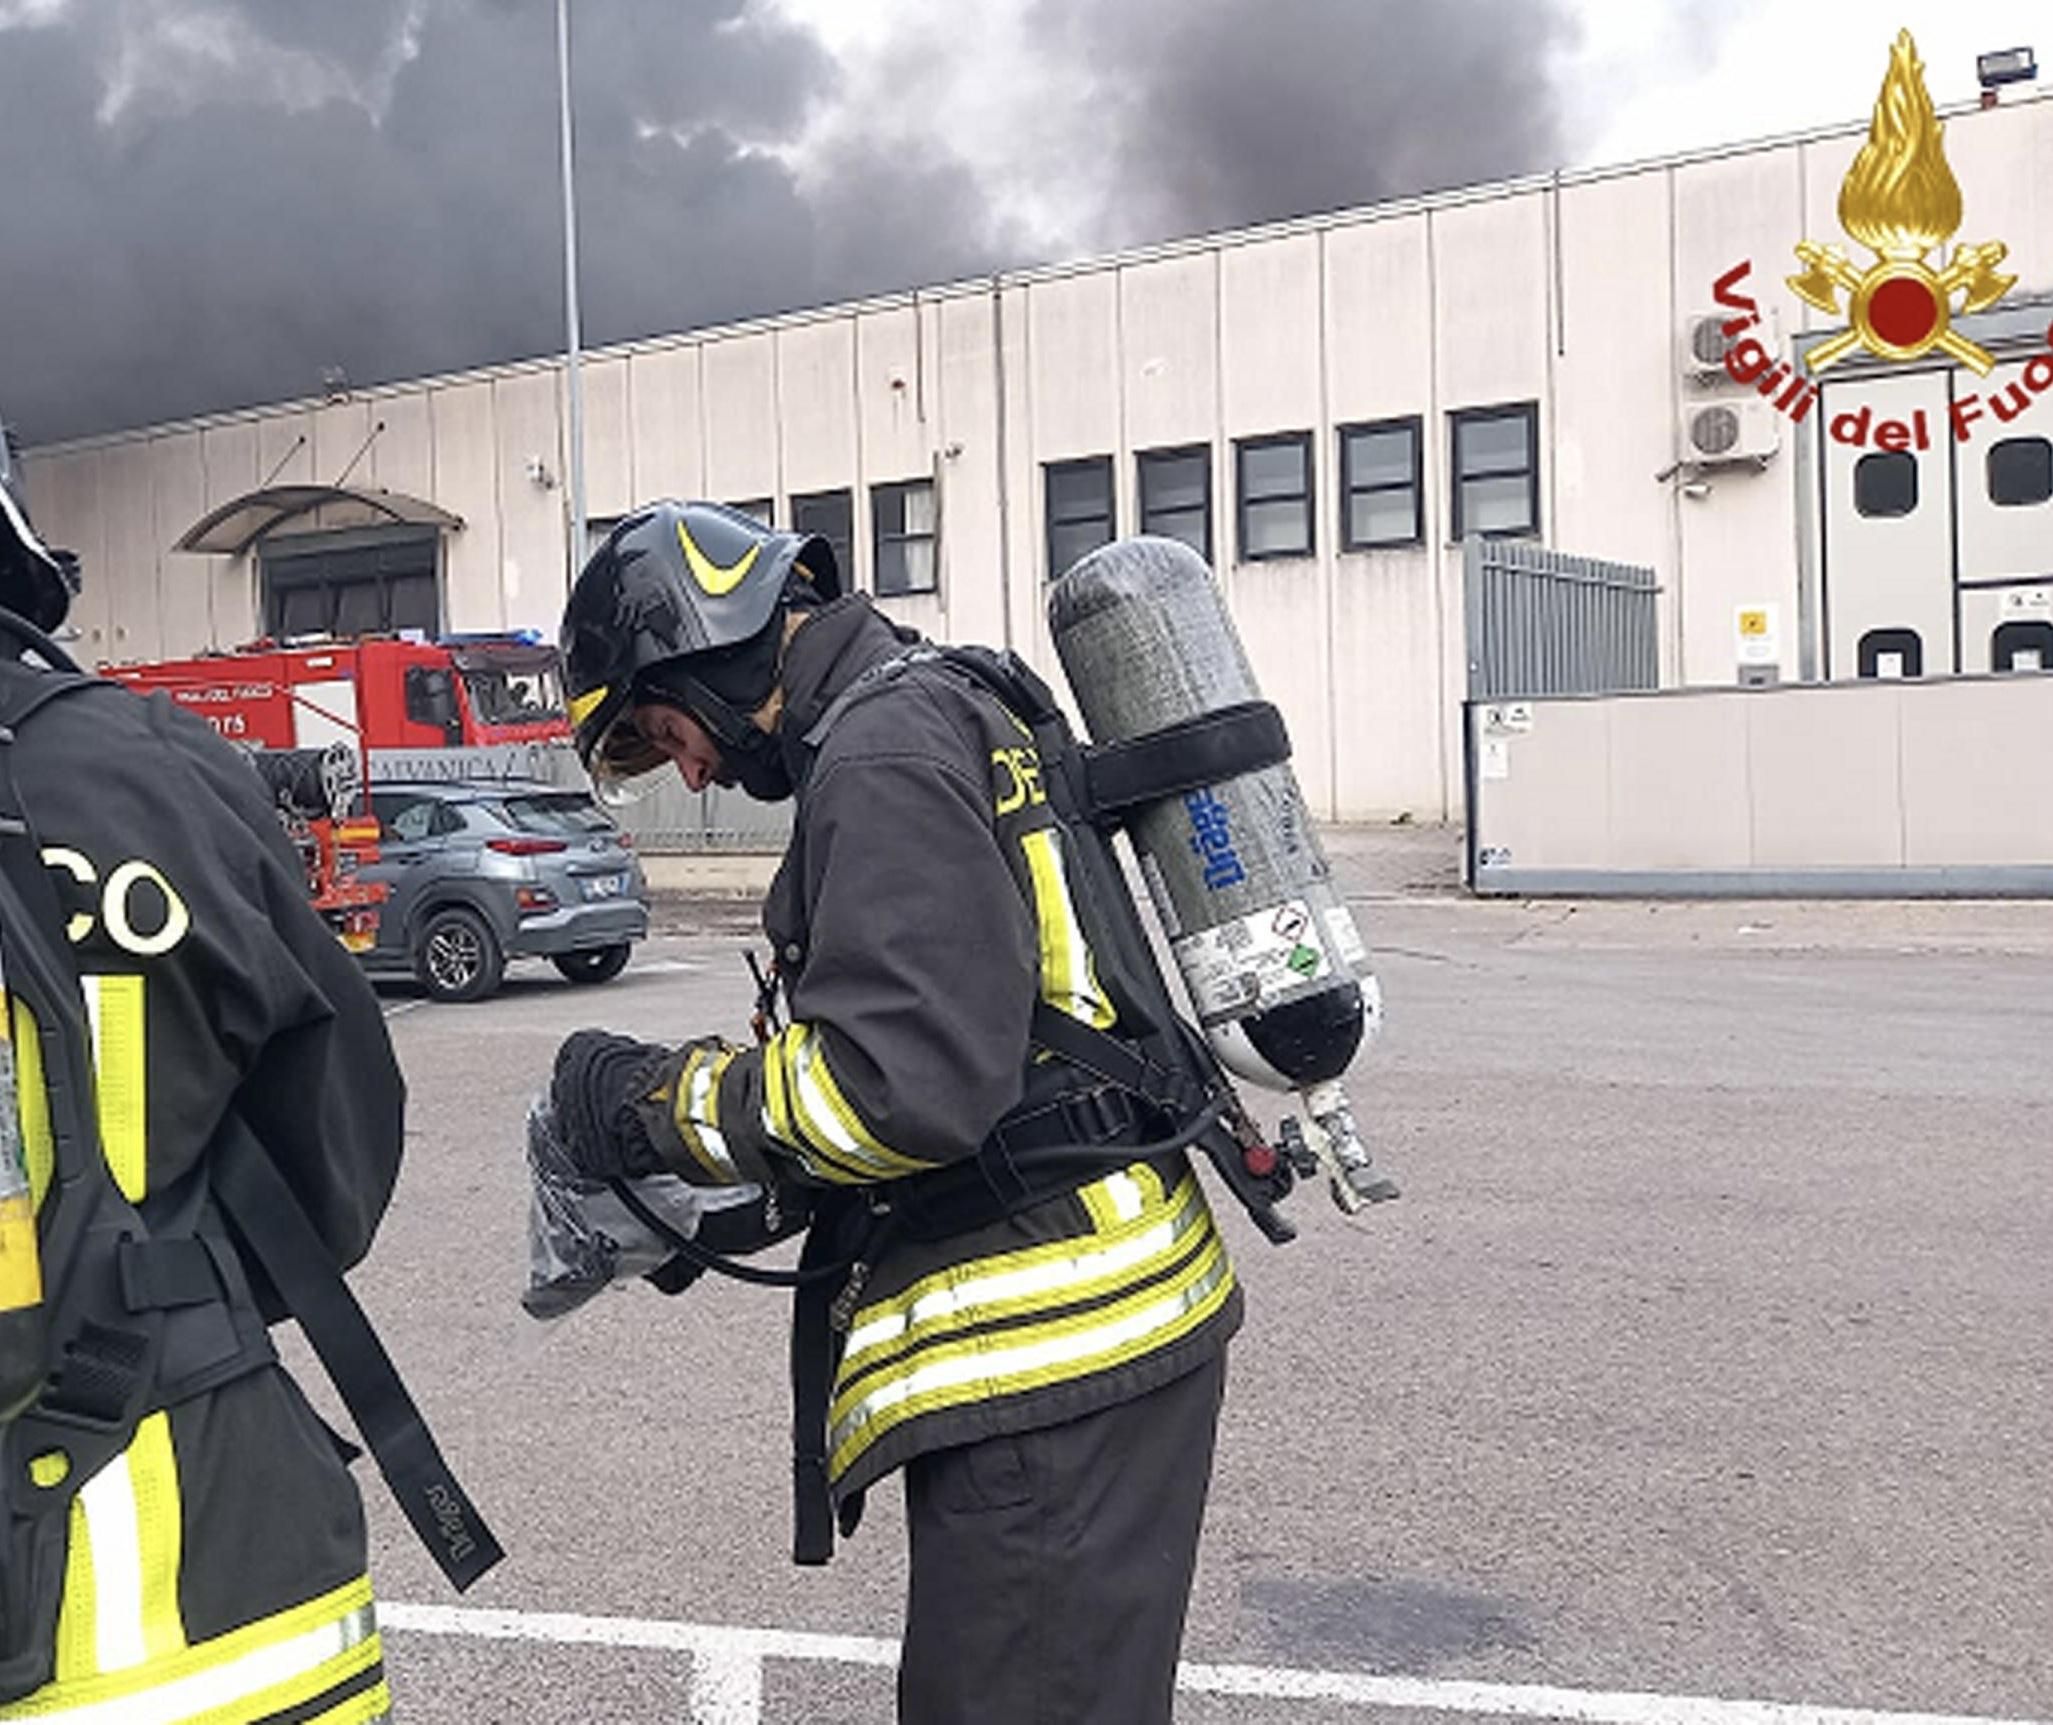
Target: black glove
x=599, y=1078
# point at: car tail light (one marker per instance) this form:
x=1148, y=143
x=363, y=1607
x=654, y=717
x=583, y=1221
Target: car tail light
x=534, y=898
x=526, y=847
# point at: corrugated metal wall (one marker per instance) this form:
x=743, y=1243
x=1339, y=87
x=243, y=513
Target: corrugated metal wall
x=1542, y=622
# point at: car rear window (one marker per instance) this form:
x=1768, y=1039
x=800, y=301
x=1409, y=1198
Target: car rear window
x=553, y=817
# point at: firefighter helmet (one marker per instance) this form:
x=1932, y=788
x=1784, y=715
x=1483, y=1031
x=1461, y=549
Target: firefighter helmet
x=36, y=581
x=679, y=604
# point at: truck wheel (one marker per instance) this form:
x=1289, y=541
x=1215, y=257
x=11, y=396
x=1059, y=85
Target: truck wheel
x=595, y=964
x=458, y=958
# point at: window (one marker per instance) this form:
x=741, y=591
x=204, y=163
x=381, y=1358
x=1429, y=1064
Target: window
x=905, y=534
x=830, y=514
x=1079, y=495
x=1885, y=484
x=1380, y=493
x=346, y=585
x=1891, y=653
x=2020, y=471
x=1275, y=489
x=2026, y=645
x=1176, y=495
x=757, y=509
x=408, y=819
x=1496, y=470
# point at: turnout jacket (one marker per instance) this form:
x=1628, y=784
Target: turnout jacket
x=216, y=1569
x=920, y=912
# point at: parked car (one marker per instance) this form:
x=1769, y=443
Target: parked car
x=483, y=872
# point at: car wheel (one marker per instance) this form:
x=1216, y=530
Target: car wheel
x=595, y=964
x=458, y=957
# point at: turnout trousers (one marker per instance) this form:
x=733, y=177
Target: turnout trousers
x=1051, y=1569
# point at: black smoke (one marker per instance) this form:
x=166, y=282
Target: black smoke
x=210, y=201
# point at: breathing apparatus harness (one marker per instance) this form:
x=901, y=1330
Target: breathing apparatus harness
x=1157, y=1077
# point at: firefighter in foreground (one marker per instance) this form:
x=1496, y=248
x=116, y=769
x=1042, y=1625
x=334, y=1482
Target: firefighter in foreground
x=1048, y=1381
x=183, y=1540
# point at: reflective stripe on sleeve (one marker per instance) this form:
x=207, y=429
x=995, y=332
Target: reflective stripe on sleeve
x=281, y=1663
x=696, y=1112
x=1069, y=976
x=808, y=1112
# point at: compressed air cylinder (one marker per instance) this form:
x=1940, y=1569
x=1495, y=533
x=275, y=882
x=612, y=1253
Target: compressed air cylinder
x=22, y=1341
x=1276, y=970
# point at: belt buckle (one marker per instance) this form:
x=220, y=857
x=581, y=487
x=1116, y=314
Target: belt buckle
x=1100, y=1120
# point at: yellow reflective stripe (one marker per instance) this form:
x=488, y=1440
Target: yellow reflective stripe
x=35, y=1101
x=777, y=1117
x=1069, y=978
x=160, y=1527
x=79, y=1609
x=1010, y=1284
x=696, y=1112
x=115, y=1005
x=824, y=1114
x=279, y=1662
x=1012, y=1362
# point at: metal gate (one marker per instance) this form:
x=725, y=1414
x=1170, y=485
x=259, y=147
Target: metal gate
x=1542, y=622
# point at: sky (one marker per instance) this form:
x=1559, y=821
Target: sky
x=213, y=201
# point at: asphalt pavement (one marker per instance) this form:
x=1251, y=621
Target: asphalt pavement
x=1707, y=1360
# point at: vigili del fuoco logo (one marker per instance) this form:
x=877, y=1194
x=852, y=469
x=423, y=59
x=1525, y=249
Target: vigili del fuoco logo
x=1901, y=202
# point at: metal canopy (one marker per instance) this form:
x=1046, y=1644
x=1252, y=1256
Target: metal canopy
x=236, y=526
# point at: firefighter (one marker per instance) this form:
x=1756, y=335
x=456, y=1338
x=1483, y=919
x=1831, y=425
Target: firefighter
x=211, y=1564
x=1049, y=1379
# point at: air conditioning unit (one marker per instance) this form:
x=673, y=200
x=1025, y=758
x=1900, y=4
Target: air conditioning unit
x=1714, y=432
x=1705, y=343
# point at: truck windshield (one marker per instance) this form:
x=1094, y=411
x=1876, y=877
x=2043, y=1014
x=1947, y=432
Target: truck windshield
x=561, y=816
x=504, y=697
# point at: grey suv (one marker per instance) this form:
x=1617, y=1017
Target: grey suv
x=484, y=872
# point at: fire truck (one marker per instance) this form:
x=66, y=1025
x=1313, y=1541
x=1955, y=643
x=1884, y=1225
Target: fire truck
x=323, y=719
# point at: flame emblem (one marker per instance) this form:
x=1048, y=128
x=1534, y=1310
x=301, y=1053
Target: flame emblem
x=1901, y=201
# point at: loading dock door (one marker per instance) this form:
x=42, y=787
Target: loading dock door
x=1888, y=520
x=348, y=584
x=2005, y=505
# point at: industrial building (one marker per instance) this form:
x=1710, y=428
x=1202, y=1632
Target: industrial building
x=1326, y=408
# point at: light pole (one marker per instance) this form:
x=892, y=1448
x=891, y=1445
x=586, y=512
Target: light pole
x=573, y=345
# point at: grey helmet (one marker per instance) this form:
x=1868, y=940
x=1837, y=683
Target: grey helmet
x=36, y=581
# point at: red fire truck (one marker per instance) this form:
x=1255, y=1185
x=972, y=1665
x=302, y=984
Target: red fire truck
x=325, y=718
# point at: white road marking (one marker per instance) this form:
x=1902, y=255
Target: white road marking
x=404, y=1006
x=727, y=1662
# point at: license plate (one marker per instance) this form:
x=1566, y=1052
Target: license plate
x=605, y=885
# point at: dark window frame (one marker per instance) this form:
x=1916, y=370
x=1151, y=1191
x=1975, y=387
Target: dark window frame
x=843, y=545
x=1415, y=425
x=1894, y=461
x=1051, y=472
x=1989, y=471
x=1242, y=448
x=1143, y=459
x=880, y=538
x=359, y=562
x=1529, y=411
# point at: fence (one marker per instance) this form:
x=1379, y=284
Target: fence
x=1543, y=622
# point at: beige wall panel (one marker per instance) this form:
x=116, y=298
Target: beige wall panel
x=1551, y=808
x=1073, y=350
x=1977, y=775
x=467, y=484
x=741, y=418
x=972, y=580
x=229, y=458
x=1269, y=335
x=1026, y=621
x=1614, y=381
x=1169, y=358
x=136, y=628
x=1379, y=323
x=816, y=405
x=668, y=448
x=1823, y=164
x=403, y=457
x=1738, y=545
x=2000, y=158
x=609, y=468
x=533, y=546
x=893, y=438
x=285, y=449
x=1280, y=612
x=1490, y=276
x=339, y=432
x=65, y=495
x=1679, y=794
x=1386, y=718
x=1825, y=773
x=184, y=582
